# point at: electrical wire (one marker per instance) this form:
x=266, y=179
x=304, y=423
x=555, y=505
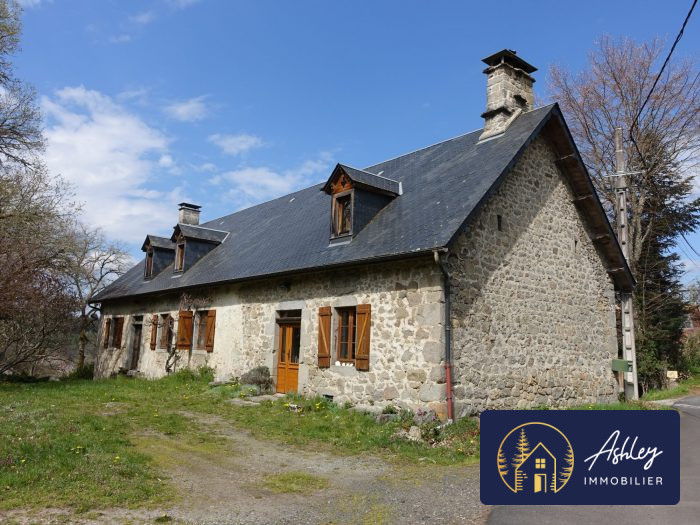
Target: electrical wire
x=635, y=122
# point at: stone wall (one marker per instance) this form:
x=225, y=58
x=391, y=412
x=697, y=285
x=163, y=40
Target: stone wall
x=533, y=308
x=407, y=348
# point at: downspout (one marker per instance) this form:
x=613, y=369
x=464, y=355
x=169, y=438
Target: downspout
x=448, y=330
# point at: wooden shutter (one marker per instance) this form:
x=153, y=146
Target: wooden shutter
x=118, y=328
x=184, y=330
x=107, y=328
x=324, y=337
x=211, y=326
x=154, y=331
x=363, y=321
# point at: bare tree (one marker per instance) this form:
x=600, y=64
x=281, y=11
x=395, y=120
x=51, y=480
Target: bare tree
x=91, y=265
x=21, y=140
x=609, y=94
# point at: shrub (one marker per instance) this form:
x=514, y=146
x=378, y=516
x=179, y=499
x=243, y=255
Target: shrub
x=87, y=371
x=258, y=376
x=390, y=409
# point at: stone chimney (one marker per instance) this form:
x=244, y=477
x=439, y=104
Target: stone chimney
x=188, y=213
x=508, y=91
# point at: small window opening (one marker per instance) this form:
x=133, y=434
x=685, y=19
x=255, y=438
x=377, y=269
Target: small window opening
x=540, y=463
x=499, y=220
x=342, y=215
x=149, y=262
x=346, y=335
x=575, y=245
x=180, y=255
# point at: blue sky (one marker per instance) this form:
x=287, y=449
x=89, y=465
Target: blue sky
x=227, y=103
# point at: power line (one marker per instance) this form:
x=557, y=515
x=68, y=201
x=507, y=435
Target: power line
x=635, y=122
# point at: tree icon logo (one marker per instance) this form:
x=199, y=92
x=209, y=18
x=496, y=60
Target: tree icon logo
x=535, y=458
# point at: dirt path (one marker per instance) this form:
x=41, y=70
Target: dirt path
x=230, y=487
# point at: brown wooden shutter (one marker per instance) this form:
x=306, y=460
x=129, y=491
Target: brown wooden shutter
x=108, y=326
x=184, y=330
x=154, y=331
x=324, y=337
x=211, y=327
x=363, y=321
x=118, y=329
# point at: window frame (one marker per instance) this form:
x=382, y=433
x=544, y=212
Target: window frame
x=352, y=333
x=335, y=213
x=148, y=269
x=164, y=324
x=540, y=463
x=201, y=327
x=180, y=247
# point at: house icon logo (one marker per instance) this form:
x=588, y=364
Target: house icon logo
x=535, y=458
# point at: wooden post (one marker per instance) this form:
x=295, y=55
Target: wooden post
x=621, y=211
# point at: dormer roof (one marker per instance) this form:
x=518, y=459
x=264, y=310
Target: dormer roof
x=200, y=233
x=363, y=179
x=157, y=242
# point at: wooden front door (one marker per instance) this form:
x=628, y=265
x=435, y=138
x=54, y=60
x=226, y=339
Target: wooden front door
x=288, y=357
x=136, y=348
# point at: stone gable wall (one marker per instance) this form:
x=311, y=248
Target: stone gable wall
x=533, y=307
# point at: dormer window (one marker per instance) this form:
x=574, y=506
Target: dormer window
x=180, y=254
x=342, y=214
x=356, y=197
x=149, y=263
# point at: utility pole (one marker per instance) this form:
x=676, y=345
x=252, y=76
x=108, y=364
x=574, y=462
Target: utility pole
x=629, y=352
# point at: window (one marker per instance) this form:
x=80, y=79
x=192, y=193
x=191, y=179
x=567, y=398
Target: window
x=206, y=321
x=539, y=462
x=342, y=214
x=499, y=221
x=149, y=263
x=118, y=329
x=346, y=335
x=107, y=330
x=180, y=254
x=166, y=331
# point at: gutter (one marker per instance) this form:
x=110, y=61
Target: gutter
x=448, y=330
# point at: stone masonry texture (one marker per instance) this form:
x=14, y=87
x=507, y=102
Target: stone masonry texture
x=533, y=307
x=532, y=314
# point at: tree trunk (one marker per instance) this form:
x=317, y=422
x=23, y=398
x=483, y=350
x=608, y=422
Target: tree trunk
x=82, y=343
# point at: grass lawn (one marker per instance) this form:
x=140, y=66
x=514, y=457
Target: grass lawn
x=74, y=443
x=683, y=388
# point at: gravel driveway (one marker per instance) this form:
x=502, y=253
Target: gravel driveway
x=216, y=488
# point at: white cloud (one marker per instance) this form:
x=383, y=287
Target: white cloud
x=112, y=158
x=30, y=4
x=143, y=18
x=189, y=110
x=235, y=144
x=166, y=161
x=251, y=185
x=182, y=4
x=120, y=39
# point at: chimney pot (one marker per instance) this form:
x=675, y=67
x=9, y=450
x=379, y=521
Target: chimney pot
x=508, y=91
x=188, y=213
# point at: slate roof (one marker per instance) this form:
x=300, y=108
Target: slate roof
x=201, y=232
x=443, y=185
x=365, y=178
x=158, y=242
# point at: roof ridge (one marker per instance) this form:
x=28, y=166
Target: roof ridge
x=370, y=166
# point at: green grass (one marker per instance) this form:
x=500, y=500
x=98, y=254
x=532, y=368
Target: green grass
x=294, y=482
x=85, y=444
x=683, y=388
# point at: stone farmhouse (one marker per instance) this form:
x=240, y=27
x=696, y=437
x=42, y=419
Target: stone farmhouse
x=479, y=272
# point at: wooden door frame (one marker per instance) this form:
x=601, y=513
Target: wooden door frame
x=284, y=326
